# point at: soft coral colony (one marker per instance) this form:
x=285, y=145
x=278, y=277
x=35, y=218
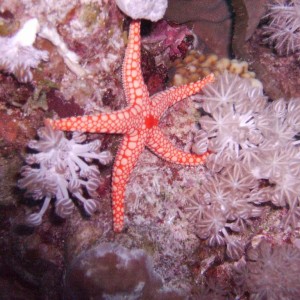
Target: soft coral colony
x=60, y=170
x=283, y=29
x=255, y=160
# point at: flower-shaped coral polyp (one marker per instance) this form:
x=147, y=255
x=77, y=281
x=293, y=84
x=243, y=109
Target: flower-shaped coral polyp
x=18, y=55
x=252, y=141
x=232, y=104
x=60, y=170
x=223, y=206
x=283, y=29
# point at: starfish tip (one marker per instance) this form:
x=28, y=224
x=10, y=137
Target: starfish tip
x=48, y=122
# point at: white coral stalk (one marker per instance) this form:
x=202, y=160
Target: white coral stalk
x=18, y=55
x=35, y=219
x=70, y=58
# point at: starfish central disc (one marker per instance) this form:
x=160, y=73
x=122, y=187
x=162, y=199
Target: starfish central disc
x=150, y=121
x=138, y=122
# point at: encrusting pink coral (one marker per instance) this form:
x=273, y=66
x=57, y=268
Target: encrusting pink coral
x=111, y=271
x=167, y=38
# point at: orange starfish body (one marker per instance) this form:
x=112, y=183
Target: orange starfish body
x=138, y=122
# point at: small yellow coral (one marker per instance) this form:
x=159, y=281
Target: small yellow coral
x=197, y=65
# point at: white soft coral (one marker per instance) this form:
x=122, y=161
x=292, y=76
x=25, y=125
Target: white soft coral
x=222, y=206
x=232, y=104
x=252, y=141
x=278, y=158
x=18, y=55
x=243, y=128
x=60, y=170
x=283, y=30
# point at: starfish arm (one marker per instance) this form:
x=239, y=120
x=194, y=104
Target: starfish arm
x=114, y=122
x=127, y=156
x=162, y=100
x=133, y=82
x=162, y=147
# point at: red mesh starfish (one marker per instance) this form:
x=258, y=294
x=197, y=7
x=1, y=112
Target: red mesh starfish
x=138, y=122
